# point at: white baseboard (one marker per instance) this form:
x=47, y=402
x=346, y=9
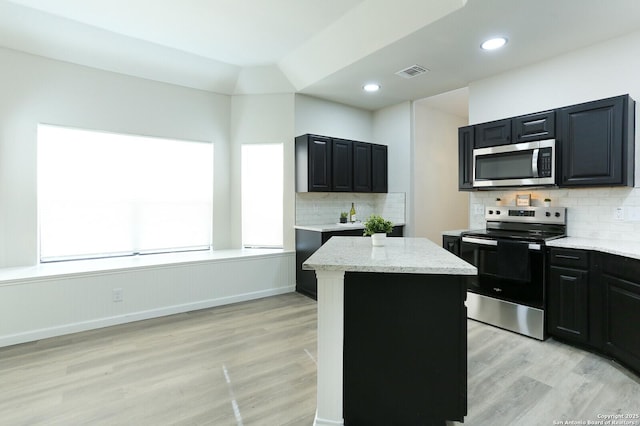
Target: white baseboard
x=93, y=324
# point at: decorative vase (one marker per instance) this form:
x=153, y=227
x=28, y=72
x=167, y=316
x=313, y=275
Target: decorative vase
x=547, y=203
x=378, y=239
x=343, y=220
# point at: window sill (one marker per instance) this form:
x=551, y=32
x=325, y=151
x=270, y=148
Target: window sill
x=15, y=275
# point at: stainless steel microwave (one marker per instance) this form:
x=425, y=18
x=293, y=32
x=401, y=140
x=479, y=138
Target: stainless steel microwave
x=519, y=164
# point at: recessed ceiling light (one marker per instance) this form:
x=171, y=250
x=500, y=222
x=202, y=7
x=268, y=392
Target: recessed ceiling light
x=371, y=87
x=494, y=43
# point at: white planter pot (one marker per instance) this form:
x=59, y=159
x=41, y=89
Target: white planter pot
x=378, y=240
x=547, y=203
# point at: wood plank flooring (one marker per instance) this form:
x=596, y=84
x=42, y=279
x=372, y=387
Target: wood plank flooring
x=253, y=363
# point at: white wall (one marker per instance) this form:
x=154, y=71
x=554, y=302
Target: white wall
x=599, y=71
x=438, y=204
x=263, y=119
x=320, y=117
x=38, y=90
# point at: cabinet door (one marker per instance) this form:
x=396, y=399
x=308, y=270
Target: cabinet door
x=493, y=133
x=622, y=307
x=379, y=168
x=534, y=127
x=361, y=167
x=465, y=158
x=451, y=243
x=593, y=140
x=568, y=303
x=621, y=291
x=342, y=165
x=319, y=163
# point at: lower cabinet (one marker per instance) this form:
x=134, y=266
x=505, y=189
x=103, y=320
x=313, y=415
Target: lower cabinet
x=451, y=243
x=621, y=296
x=307, y=242
x=568, y=303
x=593, y=299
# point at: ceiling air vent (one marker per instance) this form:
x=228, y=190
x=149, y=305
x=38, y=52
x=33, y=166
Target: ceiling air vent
x=412, y=71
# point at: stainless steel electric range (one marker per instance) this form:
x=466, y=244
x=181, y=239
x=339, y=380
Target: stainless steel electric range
x=509, y=290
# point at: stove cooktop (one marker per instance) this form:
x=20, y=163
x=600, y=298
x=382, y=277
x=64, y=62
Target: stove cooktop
x=533, y=236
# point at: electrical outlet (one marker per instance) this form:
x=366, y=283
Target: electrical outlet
x=633, y=214
x=117, y=295
x=618, y=214
x=478, y=209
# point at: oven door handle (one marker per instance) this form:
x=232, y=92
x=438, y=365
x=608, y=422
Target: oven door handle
x=481, y=241
x=486, y=242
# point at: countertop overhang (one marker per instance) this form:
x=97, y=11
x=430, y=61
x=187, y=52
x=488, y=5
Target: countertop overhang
x=398, y=255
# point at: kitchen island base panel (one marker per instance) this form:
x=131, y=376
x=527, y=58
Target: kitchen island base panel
x=330, y=343
x=405, y=349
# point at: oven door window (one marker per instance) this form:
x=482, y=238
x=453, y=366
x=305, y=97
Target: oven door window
x=507, y=165
x=489, y=282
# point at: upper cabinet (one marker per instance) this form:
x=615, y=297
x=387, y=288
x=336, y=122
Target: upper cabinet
x=493, y=134
x=534, y=127
x=342, y=165
x=379, y=168
x=362, y=167
x=597, y=142
x=313, y=163
x=325, y=164
x=465, y=158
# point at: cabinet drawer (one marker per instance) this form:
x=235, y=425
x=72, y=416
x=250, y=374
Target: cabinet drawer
x=569, y=257
x=622, y=267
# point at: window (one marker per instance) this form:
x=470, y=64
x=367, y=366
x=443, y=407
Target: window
x=105, y=194
x=262, y=188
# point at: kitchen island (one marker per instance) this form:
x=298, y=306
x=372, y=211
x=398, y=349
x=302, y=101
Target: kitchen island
x=392, y=342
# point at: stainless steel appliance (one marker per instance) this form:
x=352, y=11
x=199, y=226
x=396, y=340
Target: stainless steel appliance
x=509, y=290
x=520, y=164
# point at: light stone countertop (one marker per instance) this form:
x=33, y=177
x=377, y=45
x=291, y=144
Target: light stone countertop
x=329, y=227
x=398, y=255
x=454, y=232
x=621, y=248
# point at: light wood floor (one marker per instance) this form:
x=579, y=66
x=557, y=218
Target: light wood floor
x=253, y=363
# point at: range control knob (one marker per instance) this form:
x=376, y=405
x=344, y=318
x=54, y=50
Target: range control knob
x=548, y=214
x=498, y=212
x=557, y=214
x=490, y=211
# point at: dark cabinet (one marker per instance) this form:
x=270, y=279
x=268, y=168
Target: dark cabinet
x=493, y=133
x=325, y=164
x=379, y=168
x=597, y=143
x=465, y=158
x=361, y=167
x=308, y=241
x=568, y=303
x=621, y=295
x=342, y=165
x=451, y=243
x=534, y=127
x=313, y=163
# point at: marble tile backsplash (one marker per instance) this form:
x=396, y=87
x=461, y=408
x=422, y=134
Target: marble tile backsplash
x=591, y=212
x=314, y=208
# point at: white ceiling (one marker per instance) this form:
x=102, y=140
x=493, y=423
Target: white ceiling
x=327, y=49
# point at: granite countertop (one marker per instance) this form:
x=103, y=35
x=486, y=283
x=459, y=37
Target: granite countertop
x=454, y=232
x=621, y=248
x=328, y=227
x=399, y=255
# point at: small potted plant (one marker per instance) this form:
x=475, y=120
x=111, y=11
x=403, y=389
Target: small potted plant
x=378, y=228
x=547, y=202
x=343, y=217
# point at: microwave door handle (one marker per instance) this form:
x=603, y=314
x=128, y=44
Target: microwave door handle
x=534, y=162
